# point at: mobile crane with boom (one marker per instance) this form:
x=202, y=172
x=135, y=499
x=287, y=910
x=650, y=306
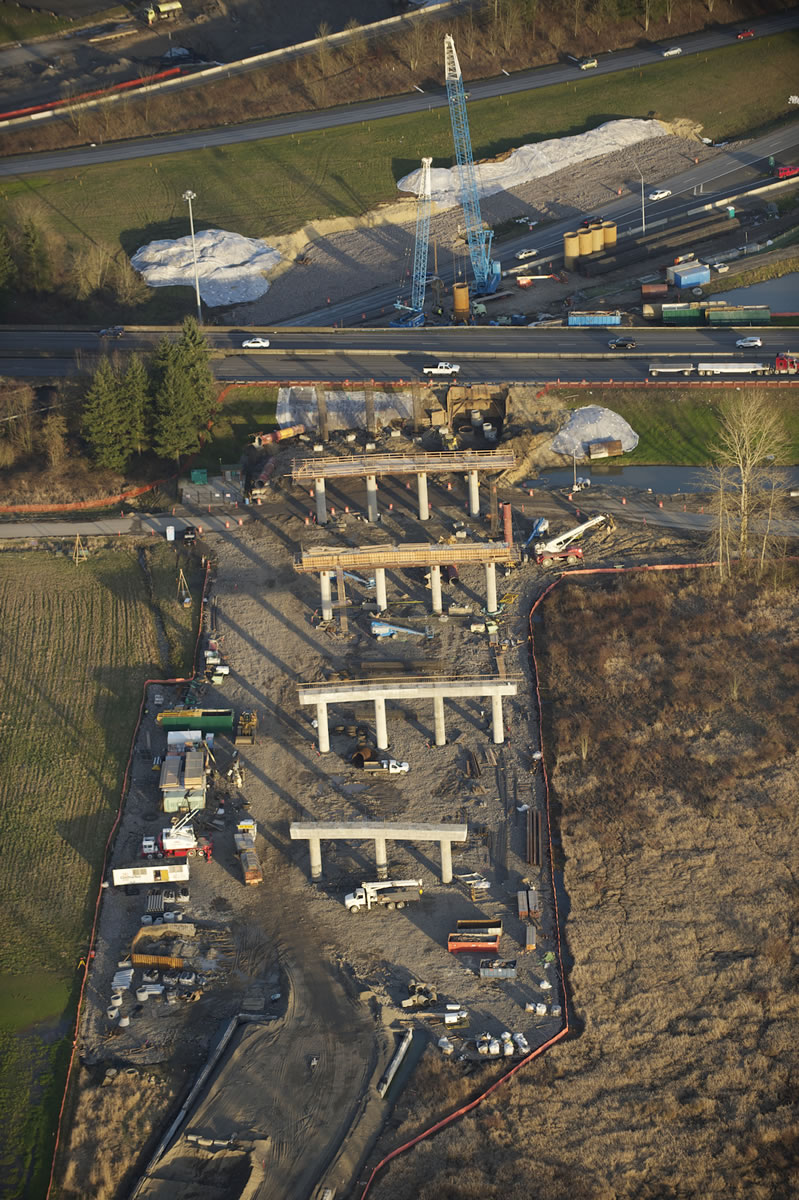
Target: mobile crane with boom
x=564, y=545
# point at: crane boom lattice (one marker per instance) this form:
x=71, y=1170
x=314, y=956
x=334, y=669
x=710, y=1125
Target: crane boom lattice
x=420, y=254
x=486, y=272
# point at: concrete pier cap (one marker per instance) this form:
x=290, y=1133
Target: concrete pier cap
x=315, y=832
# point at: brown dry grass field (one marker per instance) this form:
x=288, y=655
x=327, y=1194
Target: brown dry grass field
x=671, y=727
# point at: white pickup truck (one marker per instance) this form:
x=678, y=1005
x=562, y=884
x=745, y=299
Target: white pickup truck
x=442, y=368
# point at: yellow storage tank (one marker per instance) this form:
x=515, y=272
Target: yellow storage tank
x=460, y=298
x=571, y=250
x=597, y=239
x=609, y=234
x=586, y=242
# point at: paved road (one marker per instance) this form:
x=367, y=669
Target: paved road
x=623, y=60
x=485, y=354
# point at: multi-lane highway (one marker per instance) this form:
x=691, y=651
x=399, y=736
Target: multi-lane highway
x=373, y=110
x=484, y=354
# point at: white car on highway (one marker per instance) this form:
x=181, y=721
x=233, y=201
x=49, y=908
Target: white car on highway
x=522, y=254
x=749, y=343
x=660, y=194
x=442, y=368
x=257, y=343
x=672, y=52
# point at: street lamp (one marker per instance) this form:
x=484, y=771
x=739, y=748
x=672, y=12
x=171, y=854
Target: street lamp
x=643, y=210
x=189, y=196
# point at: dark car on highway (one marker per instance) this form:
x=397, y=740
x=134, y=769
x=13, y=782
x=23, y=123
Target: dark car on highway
x=623, y=343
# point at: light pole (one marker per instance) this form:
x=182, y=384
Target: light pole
x=643, y=210
x=189, y=196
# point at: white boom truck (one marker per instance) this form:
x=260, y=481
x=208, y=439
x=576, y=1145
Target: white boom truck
x=392, y=893
x=563, y=546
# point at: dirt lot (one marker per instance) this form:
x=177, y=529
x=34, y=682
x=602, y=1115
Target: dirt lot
x=675, y=792
x=312, y=980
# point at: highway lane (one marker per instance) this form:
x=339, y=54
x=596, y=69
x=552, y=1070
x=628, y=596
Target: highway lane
x=486, y=354
x=374, y=110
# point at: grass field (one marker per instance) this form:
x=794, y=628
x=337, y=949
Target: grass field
x=242, y=412
x=267, y=188
x=77, y=644
x=671, y=731
x=676, y=427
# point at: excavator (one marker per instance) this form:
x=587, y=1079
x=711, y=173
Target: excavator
x=563, y=547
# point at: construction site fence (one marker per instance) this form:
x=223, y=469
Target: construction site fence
x=101, y=891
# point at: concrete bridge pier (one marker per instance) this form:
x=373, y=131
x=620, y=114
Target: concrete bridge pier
x=380, y=723
x=380, y=589
x=492, y=607
x=381, y=859
x=435, y=588
x=438, y=718
x=424, y=504
x=371, y=498
x=498, y=725
x=325, y=578
x=446, y=860
x=321, y=501
x=322, y=727
x=315, y=850
x=474, y=495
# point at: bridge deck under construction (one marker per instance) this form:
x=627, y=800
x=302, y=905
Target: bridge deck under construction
x=416, y=554
x=401, y=464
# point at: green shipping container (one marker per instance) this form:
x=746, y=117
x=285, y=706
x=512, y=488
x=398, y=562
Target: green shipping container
x=206, y=720
x=199, y=476
x=759, y=314
x=682, y=316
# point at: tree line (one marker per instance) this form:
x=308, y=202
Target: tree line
x=162, y=404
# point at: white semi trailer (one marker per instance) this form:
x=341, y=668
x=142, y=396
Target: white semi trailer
x=163, y=872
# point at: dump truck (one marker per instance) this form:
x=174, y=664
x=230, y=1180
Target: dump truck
x=246, y=726
x=391, y=893
x=244, y=838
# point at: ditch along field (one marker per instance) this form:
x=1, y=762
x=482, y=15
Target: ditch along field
x=671, y=729
x=78, y=641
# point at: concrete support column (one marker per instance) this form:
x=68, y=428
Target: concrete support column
x=321, y=501
x=446, y=860
x=381, y=860
x=435, y=588
x=424, y=509
x=380, y=589
x=380, y=724
x=315, y=848
x=322, y=729
x=438, y=717
x=371, y=497
x=491, y=588
x=474, y=495
x=498, y=727
x=325, y=578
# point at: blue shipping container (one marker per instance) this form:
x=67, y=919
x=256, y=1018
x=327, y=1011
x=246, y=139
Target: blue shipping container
x=594, y=318
x=691, y=276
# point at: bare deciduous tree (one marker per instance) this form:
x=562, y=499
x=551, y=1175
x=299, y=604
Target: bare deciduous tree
x=323, y=50
x=414, y=44
x=54, y=433
x=747, y=492
x=355, y=48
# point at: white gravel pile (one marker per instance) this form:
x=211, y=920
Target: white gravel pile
x=528, y=163
x=345, y=410
x=594, y=424
x=232, y=269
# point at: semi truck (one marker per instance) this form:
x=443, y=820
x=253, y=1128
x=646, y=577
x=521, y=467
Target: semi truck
x=785, y=363
x=392, y=893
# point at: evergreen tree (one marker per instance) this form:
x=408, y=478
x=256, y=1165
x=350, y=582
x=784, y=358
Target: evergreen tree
x=37, y=261
x=175, y=425
x=104, y=420
x=137, y=404
x=194, y=353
